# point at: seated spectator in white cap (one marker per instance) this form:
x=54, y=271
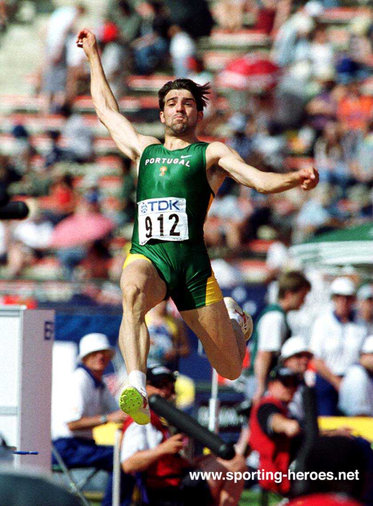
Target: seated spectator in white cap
x=365, y=307
x=87, y=404
x=336, y=341
x=296, y=356
x=356, y=392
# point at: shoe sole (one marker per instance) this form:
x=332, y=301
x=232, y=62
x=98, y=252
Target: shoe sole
x=131, y=402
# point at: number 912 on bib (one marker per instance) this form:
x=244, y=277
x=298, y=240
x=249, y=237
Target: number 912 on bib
x=164, y=219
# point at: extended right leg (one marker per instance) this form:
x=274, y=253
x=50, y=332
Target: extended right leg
x=142, y=289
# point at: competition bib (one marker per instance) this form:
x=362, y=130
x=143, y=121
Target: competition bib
x=164, y=219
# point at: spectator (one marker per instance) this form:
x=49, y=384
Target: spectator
x=273, y=434
x=24, y=149
x=318, y=214
x=283, y=48
x=331, y=157
x=321, y=51
x=359, y=204
x=364, y=315
x=198, y=73
x=356, y=390
x=168, y=339
x=278, y=259
x=182, y=48
x=30, y=241
x=271, y=328
x=230, y=14
x=61, y=199
x=225, y=221
x=239, y=140
x=87, y=404
x=322, y=108
x=151, y=47
x=361, y=161
x=83, y=247
x=55, y=153
x=270, y=15
x=126, y=18
x=151, y=449
x=193, y=16
x=295, y=355
x=354, y=108
x=360, y=41
x=59, y=26
x=77, y=136
x=336, y=342
x=115, y=58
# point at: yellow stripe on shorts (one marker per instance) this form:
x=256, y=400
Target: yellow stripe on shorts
x=213, y=292
x=131, y=257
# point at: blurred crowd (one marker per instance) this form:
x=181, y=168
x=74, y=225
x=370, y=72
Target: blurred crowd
x=306, y=98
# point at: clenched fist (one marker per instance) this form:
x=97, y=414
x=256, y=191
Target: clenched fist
x=309, y=177
x=87, y=40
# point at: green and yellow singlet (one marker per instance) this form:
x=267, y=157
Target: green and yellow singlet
x=173, y=197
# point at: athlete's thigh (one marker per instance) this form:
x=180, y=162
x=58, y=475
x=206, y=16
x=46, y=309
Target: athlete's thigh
x=212, y=325
x=139, y=272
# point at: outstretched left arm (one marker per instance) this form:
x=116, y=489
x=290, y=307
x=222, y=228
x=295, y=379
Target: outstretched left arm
x=218, y=154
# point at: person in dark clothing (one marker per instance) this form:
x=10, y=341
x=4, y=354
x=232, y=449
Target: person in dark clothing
x=273, y=434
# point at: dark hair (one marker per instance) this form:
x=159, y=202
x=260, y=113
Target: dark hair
x=159, y=374
x=292, y=281
x=286, y=376
x=198, y=91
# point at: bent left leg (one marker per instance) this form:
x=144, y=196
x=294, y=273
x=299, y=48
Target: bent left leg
x=222, y=338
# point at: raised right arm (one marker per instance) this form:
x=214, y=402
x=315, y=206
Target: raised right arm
x=125, y=136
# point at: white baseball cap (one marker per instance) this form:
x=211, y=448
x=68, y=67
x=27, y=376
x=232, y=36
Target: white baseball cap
x=314, y=8
x=343, y=286
x=367, y=345
x=365, y=292
x=292, y=346
x=94, y=342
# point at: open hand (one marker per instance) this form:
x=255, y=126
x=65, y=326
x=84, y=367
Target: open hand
x=173, y=444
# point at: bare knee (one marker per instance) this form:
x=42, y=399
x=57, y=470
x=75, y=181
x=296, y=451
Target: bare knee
x=133, y=299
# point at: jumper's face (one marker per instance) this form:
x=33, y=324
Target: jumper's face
x=180, y=115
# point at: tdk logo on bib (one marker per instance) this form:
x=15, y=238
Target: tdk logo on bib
x=163, y=219
x=169, y=204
